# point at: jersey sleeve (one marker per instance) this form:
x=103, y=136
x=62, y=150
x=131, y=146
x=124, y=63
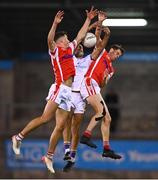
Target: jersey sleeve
x=73, y=45
x=88, y=60
x=53, y=54
x=111, y=73
x=112, y=70
x=75, y=61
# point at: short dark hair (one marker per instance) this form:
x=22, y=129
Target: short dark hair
x=118, y=46
x=59, y=34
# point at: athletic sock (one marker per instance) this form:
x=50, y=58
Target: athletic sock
x=87, y=133
x=19, y=137
x=106, y=145
x=50, y=155
x=73, y=155
x=66, y=146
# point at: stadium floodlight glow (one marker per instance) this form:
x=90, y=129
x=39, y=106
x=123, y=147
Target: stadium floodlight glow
x=125, y=22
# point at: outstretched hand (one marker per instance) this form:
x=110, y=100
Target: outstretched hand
x=92, y=13
x=94, y=25
x=59, y=16
x=106, y=30
x=102, y=15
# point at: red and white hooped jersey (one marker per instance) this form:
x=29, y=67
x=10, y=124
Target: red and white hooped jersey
x=99, y=69
x=63, y=63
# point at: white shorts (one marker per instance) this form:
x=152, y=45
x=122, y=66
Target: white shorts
x=60, y=95
x=89, y=87
x=77, y=103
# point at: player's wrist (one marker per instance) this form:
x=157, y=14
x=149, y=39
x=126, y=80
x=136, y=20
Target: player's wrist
x=54, y=25
x=88, y=19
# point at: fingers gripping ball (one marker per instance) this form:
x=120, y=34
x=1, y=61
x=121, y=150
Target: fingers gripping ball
x=90, y=40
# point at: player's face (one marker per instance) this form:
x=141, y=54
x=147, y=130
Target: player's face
x=79, y=51
x=114, y=54
x=63, y=42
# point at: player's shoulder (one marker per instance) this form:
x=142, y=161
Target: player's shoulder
x=73, y=44
x=87, y=57
x=75, y=58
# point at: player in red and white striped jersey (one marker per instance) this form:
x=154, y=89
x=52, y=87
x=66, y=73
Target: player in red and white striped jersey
x=61, y=52
x=81, y=66
x=98, y=74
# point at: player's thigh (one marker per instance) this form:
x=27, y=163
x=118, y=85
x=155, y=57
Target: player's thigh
x=61, y=117
x=67, y=127
x=49, y=110
x=95, y=102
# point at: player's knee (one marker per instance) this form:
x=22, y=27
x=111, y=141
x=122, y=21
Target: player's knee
x=108, y=119
x=44, y=119
x=102, y=113
x=60, y=127
x=99, y=118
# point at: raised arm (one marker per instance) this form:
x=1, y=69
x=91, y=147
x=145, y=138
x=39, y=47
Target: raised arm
x=92, y=26
x=101, y=17
x=107, y=77
x=107, y=33
x=50, y=39
x=97, y=50
x=90, y=15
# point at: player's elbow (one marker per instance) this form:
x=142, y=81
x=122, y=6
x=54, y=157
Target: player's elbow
x=49, y=40
x=79, y=38
x=108, y=33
